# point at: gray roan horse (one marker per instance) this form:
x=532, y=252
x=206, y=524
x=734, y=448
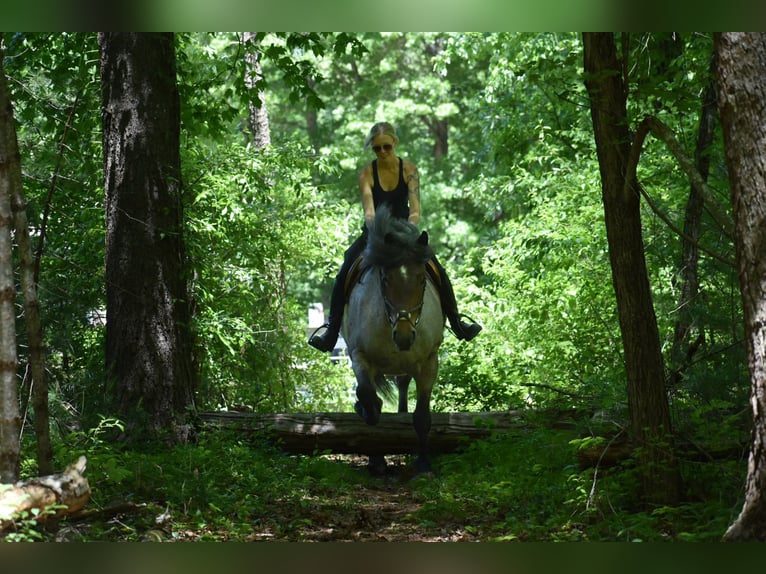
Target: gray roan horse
x=393, y=327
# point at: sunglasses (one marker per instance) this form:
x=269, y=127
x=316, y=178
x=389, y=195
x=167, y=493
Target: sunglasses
x=377, y=148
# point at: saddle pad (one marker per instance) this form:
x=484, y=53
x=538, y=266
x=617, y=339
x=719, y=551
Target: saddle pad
x=353, y=276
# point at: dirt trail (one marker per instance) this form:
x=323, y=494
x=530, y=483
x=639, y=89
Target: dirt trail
x=380, y=510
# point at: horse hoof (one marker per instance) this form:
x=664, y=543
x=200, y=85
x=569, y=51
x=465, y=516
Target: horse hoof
x=362, y=412
x=370, y=418
x=377, y=466
x=423, y=468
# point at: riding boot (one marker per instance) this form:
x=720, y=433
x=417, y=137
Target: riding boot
x=463, y=326
x=326, y=341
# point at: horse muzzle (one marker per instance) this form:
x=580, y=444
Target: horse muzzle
x=402, y=341
x=403, y=331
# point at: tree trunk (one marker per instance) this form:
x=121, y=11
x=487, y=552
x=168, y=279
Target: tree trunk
x=439, y=127
x=647, y=399
x=10, y=179
x=259, y=117
x=742, y=103
x=148, y=336
x=34, y=328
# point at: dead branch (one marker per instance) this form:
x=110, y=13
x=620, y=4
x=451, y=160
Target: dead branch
x=69, y=489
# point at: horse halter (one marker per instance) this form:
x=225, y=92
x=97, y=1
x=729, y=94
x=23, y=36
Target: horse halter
x=393, y=313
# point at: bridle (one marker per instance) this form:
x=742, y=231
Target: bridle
x=394, y=314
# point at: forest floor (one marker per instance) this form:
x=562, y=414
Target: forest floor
x=381, y=509
x=524, y=485
x=371, y=509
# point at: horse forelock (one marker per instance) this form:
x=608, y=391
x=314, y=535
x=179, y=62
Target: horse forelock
x=393, y=242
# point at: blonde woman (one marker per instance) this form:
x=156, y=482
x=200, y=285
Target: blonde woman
x=391, y=180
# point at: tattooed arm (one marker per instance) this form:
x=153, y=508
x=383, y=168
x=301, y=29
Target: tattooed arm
x=413, y=184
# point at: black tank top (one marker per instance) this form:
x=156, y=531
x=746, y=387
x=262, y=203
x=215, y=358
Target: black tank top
x=397, y=198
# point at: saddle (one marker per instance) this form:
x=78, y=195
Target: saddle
x=358, y=270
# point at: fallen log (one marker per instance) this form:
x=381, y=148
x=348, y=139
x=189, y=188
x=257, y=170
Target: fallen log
x=615, y=452
x=67, y=492
x=347, y=433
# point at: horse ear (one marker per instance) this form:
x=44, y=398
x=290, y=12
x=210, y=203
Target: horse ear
x=423, y=239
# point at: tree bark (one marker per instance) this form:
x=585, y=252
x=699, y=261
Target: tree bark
x=439, y=129
x=36, y=352
x=347, y=433
x=742, y=104
x=10, y=179
x=70, y=489
x=259, y=117
x=647, y=399
x=148, y=335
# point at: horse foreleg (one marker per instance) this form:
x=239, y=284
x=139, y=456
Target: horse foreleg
x=376, y=464
x=368, y=404
x=403, y=382
x=421, y=420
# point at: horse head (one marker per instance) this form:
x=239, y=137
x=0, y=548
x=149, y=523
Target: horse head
x=403, y=291
x=403, y=287
x=400, y=252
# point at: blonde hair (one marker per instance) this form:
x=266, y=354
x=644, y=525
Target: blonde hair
x=381, y=129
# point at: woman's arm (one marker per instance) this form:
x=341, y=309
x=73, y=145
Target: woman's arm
x=365, y=187
x=413, y=184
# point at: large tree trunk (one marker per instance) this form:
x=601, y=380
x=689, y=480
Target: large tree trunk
x=148, y=336
x=10, y=179
x=647, y=399
x=742, y=102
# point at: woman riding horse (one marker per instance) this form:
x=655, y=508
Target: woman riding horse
x=394, y=326
x=393, y=181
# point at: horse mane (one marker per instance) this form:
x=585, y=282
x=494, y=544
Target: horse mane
x=393, y=241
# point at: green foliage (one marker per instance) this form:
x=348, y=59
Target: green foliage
x=550, y=329
x=246, y=258
x=530, y=489
x=56, y=96
x=26, y=523
x=514, y=212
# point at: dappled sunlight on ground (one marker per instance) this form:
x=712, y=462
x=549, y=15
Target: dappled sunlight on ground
x=381, y=509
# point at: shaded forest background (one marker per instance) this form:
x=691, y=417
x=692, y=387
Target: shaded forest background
x=499, y=126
